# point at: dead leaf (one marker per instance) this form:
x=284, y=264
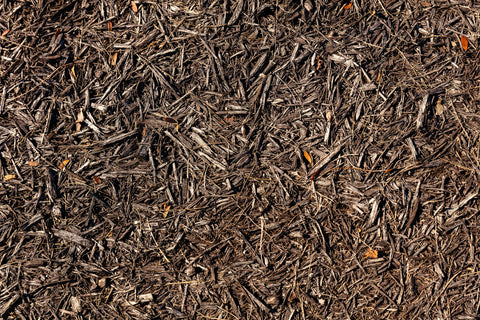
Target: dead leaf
x=439, y=107
x=170, y=120
x=348, y=6
x=307, y=156
x=464, y=41
x=371, y=254
x=33, y=163
x=328, y=115
x=9, y=177
x=165, y=214
x=109, y=25
x=97, y=180
x=134, y=6
x=4, y=33
x=63, y=164
x=113, y=60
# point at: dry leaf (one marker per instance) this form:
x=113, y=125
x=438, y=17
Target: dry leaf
x=439, y=107
x=319, y=63
x=170, y=120
x=33, y=163
x=371, y=254
x=347, y=6
x=307, y=156
x=9, y=177
x=4, y=33
x=165, y=214
x=113, y=60
x=464, y=41
x=134, y=6
x=109, y=25
x=97, y=180
x=328, y=115
x=72, y=71
x=63, y=164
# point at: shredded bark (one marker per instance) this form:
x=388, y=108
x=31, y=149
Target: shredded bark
x=239, y=159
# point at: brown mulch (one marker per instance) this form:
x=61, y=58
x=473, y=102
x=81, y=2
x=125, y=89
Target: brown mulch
x=239, y=159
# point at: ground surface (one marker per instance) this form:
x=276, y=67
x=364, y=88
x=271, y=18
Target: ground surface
x=239, y=160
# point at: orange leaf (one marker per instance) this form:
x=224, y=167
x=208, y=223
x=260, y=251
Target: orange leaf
x=113, y=61
x=347, y=6
x=109, y=25
x=464, y=41
x=4, y=33
x=307, y=156
x=165, y=214
x=33, y=163
x=134, y=6
x=372, y=254
x=72, y=71
x=63, y=164
x=9, y=177
x=97, y=180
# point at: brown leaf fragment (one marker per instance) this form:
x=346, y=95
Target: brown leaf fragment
x=439, y=107
x=97, y=180
x=63, y=164
x=134, y=6
x=9, y=177
x=113, y=59
x=464, y=42
x=307, y=156
x=170, y=120
x=371, y=254
x=33, y=163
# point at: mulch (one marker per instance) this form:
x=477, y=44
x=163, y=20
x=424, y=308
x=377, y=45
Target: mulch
x=239, y=159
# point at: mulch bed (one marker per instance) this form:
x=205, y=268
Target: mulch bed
x=239, y=159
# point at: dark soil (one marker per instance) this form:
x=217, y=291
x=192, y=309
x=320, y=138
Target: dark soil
x=239, y=159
